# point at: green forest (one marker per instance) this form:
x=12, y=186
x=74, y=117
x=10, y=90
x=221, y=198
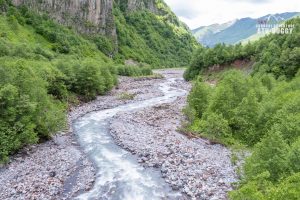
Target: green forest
x=260, y=111
x=159, y=40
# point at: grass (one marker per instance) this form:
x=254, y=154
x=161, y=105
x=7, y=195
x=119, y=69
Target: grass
x=126, y=96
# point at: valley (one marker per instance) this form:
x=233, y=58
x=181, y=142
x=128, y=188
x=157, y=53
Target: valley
x=86, y=159
x=118, y=100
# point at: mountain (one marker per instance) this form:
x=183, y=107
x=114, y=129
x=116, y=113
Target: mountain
x=146, y=31
x=209, y=31
x=236, y=31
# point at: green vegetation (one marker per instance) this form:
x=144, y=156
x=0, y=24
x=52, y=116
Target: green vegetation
x=126, y=96
x=157, y=39
x=257, y=111
x=277, y=54
x=260, y=111
x=44, y=68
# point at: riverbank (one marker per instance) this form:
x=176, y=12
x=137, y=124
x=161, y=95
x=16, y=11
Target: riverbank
x=192, y=166
x=58, y=169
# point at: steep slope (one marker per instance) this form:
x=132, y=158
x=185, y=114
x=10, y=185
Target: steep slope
x=153, y=36
x=239, y=30
x=146, y=31
x=85, y=16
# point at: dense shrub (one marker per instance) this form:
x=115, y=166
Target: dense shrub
x=257, y=111
x=271, y=155
x=294, y=156
x=90, y=81
x=104, y=44
x=44, y=67
x=27, y=111
x=214, y=126
x=199, y=97
x=250, y=106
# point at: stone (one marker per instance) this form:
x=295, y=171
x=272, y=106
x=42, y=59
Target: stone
x=52, y=174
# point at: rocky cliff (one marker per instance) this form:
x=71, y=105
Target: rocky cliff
x=87, y=16
x=142, y=30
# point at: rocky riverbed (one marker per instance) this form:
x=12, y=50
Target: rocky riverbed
x=192, y=166
x=58, y=169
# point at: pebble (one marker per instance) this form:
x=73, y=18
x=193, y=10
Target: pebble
x=41, y=170
x=196, y=168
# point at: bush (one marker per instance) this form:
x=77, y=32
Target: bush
x=199, y=97
x=271, y=155
x=294, y=156
x=246, y=118
x=17, y=125
x=288, y=189
x=228, y=94
x=215, y=126
x=104, y=44
x=90, y=82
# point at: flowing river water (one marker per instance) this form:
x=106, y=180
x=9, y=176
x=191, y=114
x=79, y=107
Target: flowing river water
x=119, y=175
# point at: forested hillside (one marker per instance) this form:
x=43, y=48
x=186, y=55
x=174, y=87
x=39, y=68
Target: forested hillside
x=155, y=37
x=150, y=38
x=277, y=54
x=143, y=31
x=260, y=111
x=47, y=67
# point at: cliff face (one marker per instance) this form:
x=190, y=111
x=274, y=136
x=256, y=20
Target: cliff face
x=142, y=30
x=86, y=16
x=134, y=5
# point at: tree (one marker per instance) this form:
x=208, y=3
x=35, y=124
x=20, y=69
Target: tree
x=246, y=118
x=227, y=96
x=90, y=82
x=199, y=97
x=269, y=155
x=16, y=123
x=294, y=156
x=287, y=189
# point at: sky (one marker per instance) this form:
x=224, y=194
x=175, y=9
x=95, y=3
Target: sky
x=196, y=13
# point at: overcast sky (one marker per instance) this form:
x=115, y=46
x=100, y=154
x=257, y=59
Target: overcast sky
x=197, y=13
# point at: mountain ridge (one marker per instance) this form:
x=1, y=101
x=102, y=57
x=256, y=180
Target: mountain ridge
x=236, y=32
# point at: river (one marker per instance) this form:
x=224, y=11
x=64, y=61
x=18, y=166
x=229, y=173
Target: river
x=119, y=175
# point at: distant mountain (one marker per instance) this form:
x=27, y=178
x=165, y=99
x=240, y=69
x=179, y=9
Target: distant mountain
x=236, y=31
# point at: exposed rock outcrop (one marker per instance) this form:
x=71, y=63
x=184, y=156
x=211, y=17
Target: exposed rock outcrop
x=86, y=16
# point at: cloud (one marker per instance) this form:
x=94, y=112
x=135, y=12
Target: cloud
x=251, y=1
x=196, y=13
